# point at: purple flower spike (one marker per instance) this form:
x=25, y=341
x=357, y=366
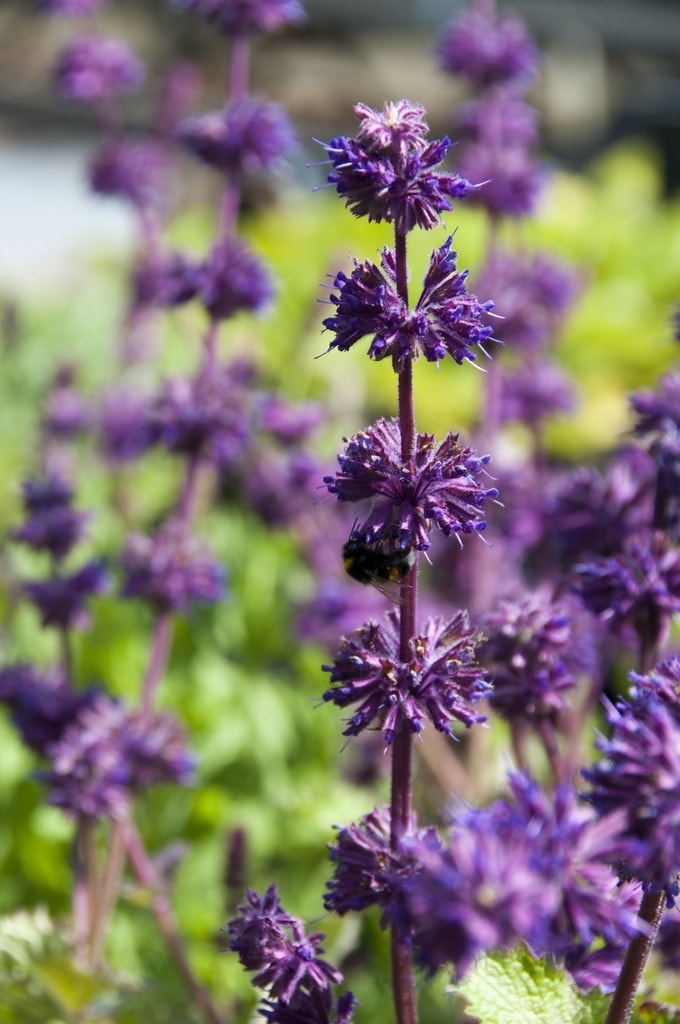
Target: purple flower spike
x=169, y=282
x=248, y=136
x=246, y=17
x=275, y=945
x=234, y=280
x=639, y=777
x=172, y=570
x=387, y=172
x=137, y=171
x=42, y=704
x=124, y=428
x=55, y=530
x=109, y=753
x=96, y=70
x=532, y=655
x=436, y=488
x=535, y=392
x=447, y=319
x=440, y=682
x=485, y=51
x=61, y=599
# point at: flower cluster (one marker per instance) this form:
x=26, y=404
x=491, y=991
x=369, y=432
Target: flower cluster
x=437, y=487
x=387, y=172
x=42, y=704
x=286, y=962
x=441, y=681
x=246, y=17
x=95, y=70
x=247, y=136
x=446, y=320
x=52, y=524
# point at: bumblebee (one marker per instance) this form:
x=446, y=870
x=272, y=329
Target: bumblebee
x=383, y=568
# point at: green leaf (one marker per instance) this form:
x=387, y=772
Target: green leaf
x=504, y=988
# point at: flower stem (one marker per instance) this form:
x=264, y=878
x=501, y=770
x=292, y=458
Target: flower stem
x=637, y=954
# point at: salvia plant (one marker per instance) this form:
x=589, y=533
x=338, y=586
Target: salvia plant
x=489, y=591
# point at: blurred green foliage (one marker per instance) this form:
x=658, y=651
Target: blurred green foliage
x=270, y=759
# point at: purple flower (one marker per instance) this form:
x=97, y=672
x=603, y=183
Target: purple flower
x=61, y=599
x=638, y=588
x=663, y=683
x=137, y=171
x=51, y=524
x=510, y=179
x=172, y=570
x=437, y=487
x=170, y=281
x=657, y=410
x=310, y=1009
x=368, y=873
x=281, y=488
x=532, y=653
x=639, y=778
x=108, y=753
x=532, y=292
x=204, y=415
x=66, y=414
x=96, y=70
x=246, y=17
x=42, y=704
x=124, y=428
x=487, y=51
x=290, y=423
x=441, y=681
x=534, y=392
x=43, y=494
x=387, y=172
x=275, y=945
x=446, y=319
x=246, y=137
x=234, y=280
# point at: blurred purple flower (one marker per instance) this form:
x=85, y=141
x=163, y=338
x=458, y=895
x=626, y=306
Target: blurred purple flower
x=639, y=777
x=532, y=292
x=487, y=51
x=659, y=409
x=447, y=319
x=246, y=17
x=510, y=179
x=42, y=704
x=123, y=427
x=43, y=494
x=304, y=1008
x=275, y=945
x=534, y=392
x=246, y=137
x=169, y=281
x=435, y=488
x=96, y=70
x=281, y=487
x=66, y=414
x=205, y=415
x=136, y=170
x=387, y=172
x=441, y=681
x=51, y=524
x=289, y=422
x=234, y=280
x=534, y=652
x=172, y=570
x=108, y=753
x=61, y=599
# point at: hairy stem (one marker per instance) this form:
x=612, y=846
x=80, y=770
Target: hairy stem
x=637, y=954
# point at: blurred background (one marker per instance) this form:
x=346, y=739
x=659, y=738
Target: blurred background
x=611, y=70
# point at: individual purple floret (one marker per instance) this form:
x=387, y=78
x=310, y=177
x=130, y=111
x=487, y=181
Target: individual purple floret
x=435, y=488
x=246, y=17
x=447, y=319
x=663, y=683
x=534, y=654
x=275, y=945
x=234, y=280
x=203, y=416
x=124, y=428
x=247, y=137
x=41, y=703
x=387, y=173
x=172, y=570
x=441, y=681
x=487, y=51
x=533, y=393
x=310, y=1009
x=96, y=70
x=639, y=778
x=368, y=873
x=531, y=292
x=638, y=588
x=109, y=753
x=61, y=599
x=137, y=171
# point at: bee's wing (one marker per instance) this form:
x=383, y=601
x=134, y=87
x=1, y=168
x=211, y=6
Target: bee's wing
x=391, y=589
